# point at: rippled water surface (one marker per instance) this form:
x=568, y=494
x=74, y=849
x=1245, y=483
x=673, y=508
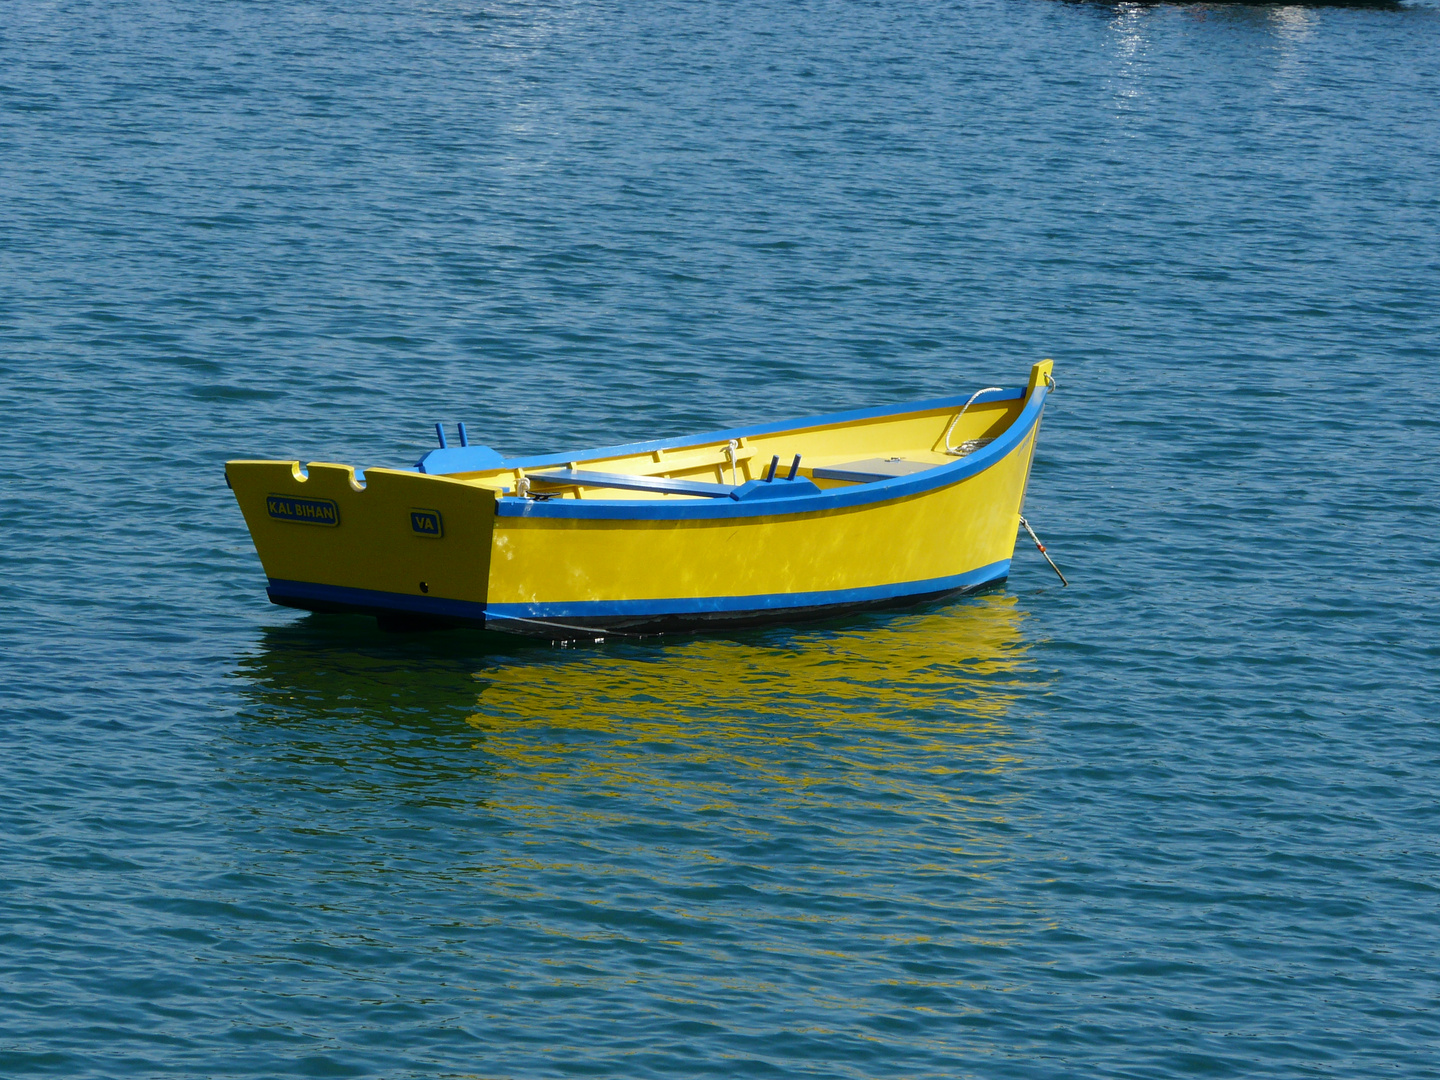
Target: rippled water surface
x=1179, y=819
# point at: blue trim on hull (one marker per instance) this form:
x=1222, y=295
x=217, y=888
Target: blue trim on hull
x=708, y=605
x=540, y=461
x=843, y=498
x=548, y=620
x=341, y=598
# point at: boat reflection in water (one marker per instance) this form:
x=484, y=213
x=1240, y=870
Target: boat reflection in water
x=796, y=838
x=907, y=701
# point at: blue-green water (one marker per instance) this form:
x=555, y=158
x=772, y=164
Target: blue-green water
x=1179, y=819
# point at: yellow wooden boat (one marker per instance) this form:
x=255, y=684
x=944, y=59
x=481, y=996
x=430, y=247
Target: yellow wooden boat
x=772, y=523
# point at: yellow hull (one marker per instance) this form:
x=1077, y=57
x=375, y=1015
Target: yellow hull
x=664, y=535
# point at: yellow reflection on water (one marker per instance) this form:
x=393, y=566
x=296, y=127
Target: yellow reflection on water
x=758, y=786
x=924, y=694
x=854, y=713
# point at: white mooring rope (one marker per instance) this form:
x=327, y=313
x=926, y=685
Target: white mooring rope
x=969, y=444
x=1043, y=552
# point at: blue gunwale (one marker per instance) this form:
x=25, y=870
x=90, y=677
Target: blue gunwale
x=830, y=499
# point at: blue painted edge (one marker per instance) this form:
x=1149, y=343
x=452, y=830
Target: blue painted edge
x=704, y=605
x=704, y=438
x=280, y=590
x=831, y=499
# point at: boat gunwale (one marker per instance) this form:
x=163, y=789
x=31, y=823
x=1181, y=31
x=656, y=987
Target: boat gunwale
x=941, y=475
x=803, y=423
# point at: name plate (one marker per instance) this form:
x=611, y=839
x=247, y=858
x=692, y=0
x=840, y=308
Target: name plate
x=306, y=511
x=427, y=523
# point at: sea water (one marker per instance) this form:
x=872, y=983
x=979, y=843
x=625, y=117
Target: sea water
x=1178, y=819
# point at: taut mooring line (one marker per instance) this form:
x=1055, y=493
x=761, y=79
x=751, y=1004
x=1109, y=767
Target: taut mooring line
x=1041, y=546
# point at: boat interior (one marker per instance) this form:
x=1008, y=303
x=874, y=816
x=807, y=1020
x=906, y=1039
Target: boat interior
x=745, y=463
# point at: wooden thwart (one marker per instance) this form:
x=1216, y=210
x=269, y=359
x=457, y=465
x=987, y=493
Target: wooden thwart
x=870, y=470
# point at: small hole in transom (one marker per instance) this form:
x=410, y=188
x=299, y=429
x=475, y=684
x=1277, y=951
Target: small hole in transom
x=424, y=586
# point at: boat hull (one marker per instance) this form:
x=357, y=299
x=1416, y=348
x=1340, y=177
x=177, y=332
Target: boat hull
x=422, y=550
